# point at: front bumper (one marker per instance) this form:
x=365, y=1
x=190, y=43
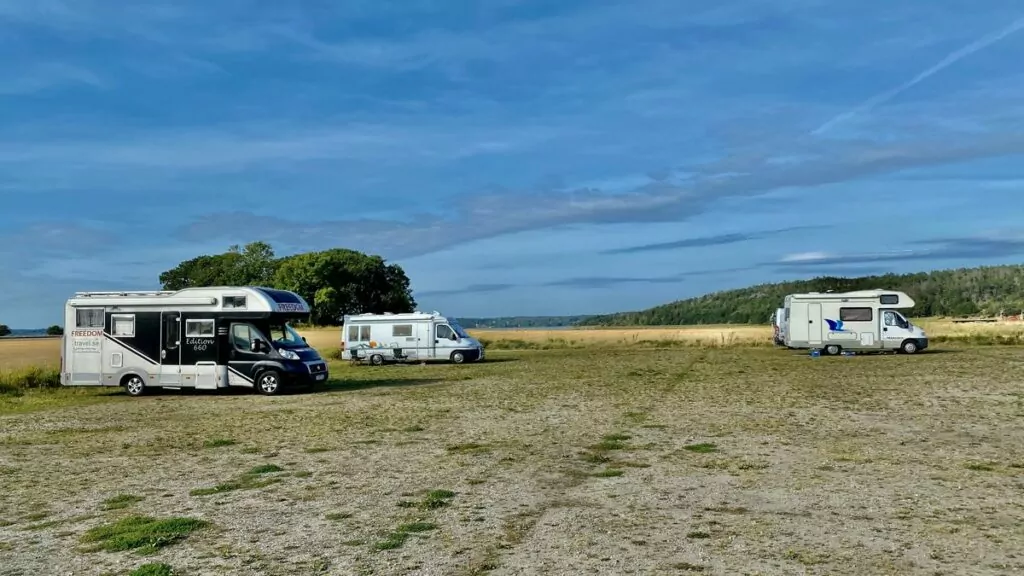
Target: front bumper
x=306, y=374
x=922, y=343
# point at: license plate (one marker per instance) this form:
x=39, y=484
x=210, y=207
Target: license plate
x=321, y=376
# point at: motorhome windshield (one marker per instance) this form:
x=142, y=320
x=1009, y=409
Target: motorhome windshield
x=458, y=329
x=283, y=333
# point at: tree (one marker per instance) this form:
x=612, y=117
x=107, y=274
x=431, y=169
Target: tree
x=334, y=282
x=253, y=265
x=339, y=281
x=4, y=330
x=54, y=330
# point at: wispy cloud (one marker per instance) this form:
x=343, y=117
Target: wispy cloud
x=470, y=289
x=44, y=76
x=706, y=241
x=490, y=215
x=978, y=248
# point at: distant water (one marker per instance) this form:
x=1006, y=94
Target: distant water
x=27, y=333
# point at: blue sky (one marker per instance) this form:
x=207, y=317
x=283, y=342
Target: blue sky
x=515, y=157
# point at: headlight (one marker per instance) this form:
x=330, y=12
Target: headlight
x=288, y=354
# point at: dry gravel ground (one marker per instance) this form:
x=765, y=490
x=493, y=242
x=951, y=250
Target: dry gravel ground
x=721, y=461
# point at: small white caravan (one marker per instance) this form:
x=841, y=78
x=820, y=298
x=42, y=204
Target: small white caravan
x=409, y=337
x=865, y=320
x=201, y=338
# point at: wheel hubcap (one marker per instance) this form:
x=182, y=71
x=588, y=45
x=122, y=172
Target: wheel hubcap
x=135, y=385
x=268, y=383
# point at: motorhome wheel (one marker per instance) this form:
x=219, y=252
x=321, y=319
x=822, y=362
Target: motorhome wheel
x=376, y=359
x=909, y=347
x=458, y=357
x=133, y=385
x=268, y=383
x=832, y=349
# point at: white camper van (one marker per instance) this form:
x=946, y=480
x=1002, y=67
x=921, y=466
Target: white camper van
x=201, y=338
x=411, y=337
x=866, y=320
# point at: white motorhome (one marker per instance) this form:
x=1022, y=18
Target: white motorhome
x=201, y=338
x=865, y=320
x=410, y=337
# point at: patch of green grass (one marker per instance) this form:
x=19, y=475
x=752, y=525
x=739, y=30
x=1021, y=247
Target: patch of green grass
x=981, y=466
x=153, y=569
x=398, y=537
x=316, y=449
x=702, y=448
x=468, y=447
x=698, y=535
x=120, y=501
x=437, y=499
x=266, y=469
x=218, y=442
x=143, y=534
x=609, y=473
x=337, y=516
x=688, y=567
x=7, y=470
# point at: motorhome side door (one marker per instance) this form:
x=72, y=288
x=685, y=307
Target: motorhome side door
x=170, y=349
x=814, y=321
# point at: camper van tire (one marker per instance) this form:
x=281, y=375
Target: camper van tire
x=377, y=360
x=133, y=385
x=909, y=347
x=833, y=350
x=458, y=357
x=268, y=383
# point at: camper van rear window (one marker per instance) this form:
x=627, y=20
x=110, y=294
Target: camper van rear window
x=358, y=333
x=889, y=299
x=401, y=330
x=89, y=318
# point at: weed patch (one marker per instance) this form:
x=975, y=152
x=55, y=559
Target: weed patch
x=120, y=501
x=154, y=569
x=703, y=448
x=143, y=534
x=397, y=538
x=218, y=442
x=255, y=478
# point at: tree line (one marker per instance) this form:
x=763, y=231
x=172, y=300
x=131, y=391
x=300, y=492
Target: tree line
x=982, y=291
x=334, y=282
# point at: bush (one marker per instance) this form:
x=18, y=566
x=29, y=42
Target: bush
x=14, y=381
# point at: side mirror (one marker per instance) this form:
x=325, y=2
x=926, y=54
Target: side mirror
x=254, y=346
x=304, y=340
x=455, y=337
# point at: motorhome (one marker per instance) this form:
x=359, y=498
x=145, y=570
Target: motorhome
x=201, y=338
x=408, y=337
x=866, y=320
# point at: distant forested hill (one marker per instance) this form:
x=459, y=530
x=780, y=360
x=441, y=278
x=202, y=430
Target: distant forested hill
x=962, y=292
x=521, y=322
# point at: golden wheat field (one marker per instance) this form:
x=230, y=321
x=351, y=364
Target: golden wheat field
x=19, y=353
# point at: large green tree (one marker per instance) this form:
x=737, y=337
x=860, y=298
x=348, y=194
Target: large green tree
x=4, y=330
x=340, y=281
x=334, y=282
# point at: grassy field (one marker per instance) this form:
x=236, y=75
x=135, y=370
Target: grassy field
x=16, y=354
x=601, y=459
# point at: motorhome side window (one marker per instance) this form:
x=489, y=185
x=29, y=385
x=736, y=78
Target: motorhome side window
x=199, y=329
x=122, y=325
x=855, y=314
x=889, y=299
x=234, y=302
x=401, y=330
x=241, y=336
x=89, y=318
x=444, y=332
x=358, y=333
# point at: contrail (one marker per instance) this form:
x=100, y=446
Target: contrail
x=954, y=57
